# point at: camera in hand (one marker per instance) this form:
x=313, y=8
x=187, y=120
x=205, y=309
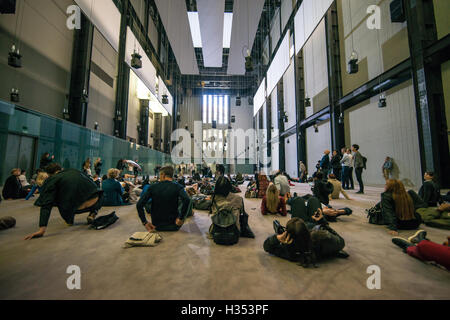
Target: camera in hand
x=279, y=229
x=317, y=214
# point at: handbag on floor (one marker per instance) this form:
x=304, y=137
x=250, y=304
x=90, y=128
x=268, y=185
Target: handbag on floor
x=375, y=215
x=143, y=239
x=104, y=221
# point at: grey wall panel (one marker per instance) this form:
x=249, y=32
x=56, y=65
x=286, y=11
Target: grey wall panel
x=291, y=155
x=316, y=144
x=275, y=30
x=289, y=95
x=391, y=131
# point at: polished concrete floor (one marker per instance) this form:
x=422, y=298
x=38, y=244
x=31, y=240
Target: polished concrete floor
x=187, y=265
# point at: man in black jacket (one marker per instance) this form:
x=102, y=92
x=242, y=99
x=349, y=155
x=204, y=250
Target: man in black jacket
x=13, y=189
x=322, y=189
x=430, y=192
x=164, y=197
x=72, y=192
x=325, y=163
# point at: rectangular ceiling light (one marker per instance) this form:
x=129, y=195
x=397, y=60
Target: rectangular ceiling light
x=227, y=27
x=195, y=29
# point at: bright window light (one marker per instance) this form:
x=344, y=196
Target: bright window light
x=210, y=98
x=205, y=109
x=220, y=110
x=194, y=23
x=226, y=107
x=227, y=27
x=215, y=108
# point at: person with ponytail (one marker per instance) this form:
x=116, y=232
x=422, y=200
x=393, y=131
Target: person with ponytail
x=298, y=244
x=398, y=207
x=273, y=203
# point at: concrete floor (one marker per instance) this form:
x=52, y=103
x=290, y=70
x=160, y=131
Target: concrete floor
x=187, y=265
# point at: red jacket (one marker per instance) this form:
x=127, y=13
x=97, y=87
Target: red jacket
x=281, y=207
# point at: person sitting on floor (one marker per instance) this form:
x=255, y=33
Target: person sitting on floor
x=164, y=197
x=113, y=192
x=307, y=211
x=262, y=183
x=430, y=191
x=337, y=188
x=40, y=179
x=273, y=203
x=72, y=192
x=419, y=247
x=222, y=198
x=23, y=180
x=12, y=189
x=398, y=207
x=322, y=189
x=298, y=244
x=282, y=183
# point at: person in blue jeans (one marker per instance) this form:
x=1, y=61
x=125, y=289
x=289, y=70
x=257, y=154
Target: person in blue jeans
x=165, y=197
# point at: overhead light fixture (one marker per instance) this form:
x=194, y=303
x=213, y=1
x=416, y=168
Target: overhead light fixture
x=136, y=60
x=15, y=95
x=382, y=102
x=194, y=24
x=316, y=128
x=353, y=66
x=14, y=57
x=307, y=102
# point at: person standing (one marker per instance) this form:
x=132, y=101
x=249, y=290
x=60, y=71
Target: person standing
x=325, y=163
x=387, y=168
x=358, y=163
x=336, y=164
x=98, y=166
x=350, y=170
x=345, y=172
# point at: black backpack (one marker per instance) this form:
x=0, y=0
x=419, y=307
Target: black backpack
x=364, y=162
x=224, y=230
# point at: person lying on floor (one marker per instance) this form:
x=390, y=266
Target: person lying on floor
x=307, y=211
x=72, y=192
x=398, y=207
x=273, y=203
x=298, y=244
x=419, y=247
x=164, y=197
x=224, y=198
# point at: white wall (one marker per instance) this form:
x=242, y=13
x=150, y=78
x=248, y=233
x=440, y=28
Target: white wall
x=289, y=95
x=316, y=144
x=291, y=155
x=390, y=131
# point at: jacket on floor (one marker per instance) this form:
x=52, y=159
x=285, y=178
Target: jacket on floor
x=67, y=190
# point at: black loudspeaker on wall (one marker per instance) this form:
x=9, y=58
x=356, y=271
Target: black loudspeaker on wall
x=8, y=6
x=397, y=11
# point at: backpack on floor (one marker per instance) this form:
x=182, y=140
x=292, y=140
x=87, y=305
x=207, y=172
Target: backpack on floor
x=104, y=221
x=224, y=230
x=201, y=202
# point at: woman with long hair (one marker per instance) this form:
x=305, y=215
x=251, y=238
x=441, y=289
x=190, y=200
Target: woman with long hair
x=263, y=184
x=297, y=243
x=398, y=207
x=87, y=167
x=273, y=203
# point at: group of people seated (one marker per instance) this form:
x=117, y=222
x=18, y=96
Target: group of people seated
x=307, y=237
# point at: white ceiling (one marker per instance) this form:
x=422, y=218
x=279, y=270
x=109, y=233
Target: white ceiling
x=174, y=16
x=211, y=17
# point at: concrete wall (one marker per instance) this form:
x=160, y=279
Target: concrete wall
x=316, y=71
x=441, y=10
x=378, y=50
x=102, y=85
x=316, y=144
x=134, y=108
x=390, y=131
x=291, y=155
x=46, y=45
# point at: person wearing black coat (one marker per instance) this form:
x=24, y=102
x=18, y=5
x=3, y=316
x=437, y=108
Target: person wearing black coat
x=336, y=164
x=322, y=189
x=46, y=159
x=72, y=192
x=430, y=191
x=13, y=189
